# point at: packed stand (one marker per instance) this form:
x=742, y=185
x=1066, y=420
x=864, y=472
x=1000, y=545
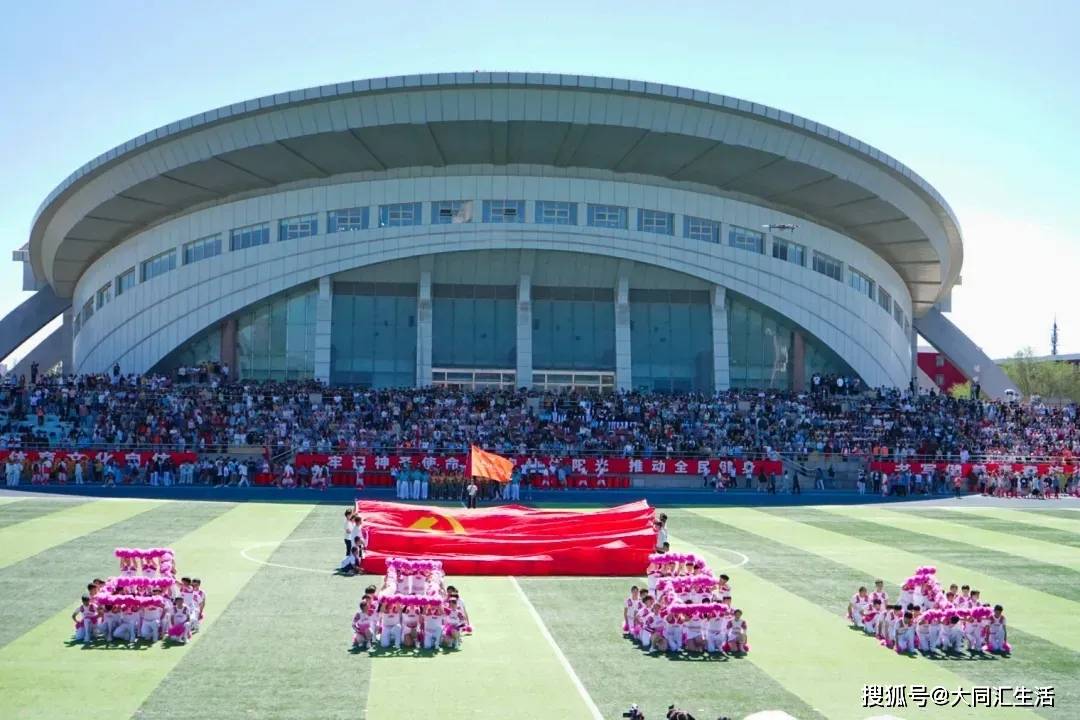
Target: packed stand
x=206, y=414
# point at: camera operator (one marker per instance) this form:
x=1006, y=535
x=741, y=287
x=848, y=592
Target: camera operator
x=673, y=713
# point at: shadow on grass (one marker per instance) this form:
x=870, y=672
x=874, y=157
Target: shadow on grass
x=940, y=655
x=381, y=652
x=101, y=644
x=683, y=656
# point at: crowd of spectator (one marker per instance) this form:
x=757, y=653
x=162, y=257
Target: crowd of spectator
x=205, y=413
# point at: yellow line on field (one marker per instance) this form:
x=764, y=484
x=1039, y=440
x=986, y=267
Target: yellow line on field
x=42, y=678
x=1065, y=556
x=1042, y=614
x=30, y=537
x=508, y=656
x=813, y=653
x=1043, y=519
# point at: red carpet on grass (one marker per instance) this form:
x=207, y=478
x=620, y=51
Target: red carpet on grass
x=511, y=539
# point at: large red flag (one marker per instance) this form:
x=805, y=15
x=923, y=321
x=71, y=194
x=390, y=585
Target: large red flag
x=483, y=464
x=511, y=539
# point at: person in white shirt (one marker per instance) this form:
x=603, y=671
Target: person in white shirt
x=661, y=532
x=390, y=620
x=243, y=469
x=470, y=492
x=288, y=476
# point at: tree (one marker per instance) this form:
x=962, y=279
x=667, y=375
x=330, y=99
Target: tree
x=1052, y=379
x=961, y=391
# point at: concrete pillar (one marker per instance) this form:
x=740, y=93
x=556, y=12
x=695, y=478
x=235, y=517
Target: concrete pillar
x=798, y=362
x=324, y=305
x=423, y=329
x=623, y=370
x=914, y=354
x=228, y=346
x=721, y=353
x=67, y=360
x=524, y=332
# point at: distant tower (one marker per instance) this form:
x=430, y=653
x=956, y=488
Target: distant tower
x=1054, y=339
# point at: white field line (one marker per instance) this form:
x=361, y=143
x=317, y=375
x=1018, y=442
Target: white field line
x=585, y=697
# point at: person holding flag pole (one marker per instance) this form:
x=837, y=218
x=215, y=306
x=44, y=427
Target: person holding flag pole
x=483, y=465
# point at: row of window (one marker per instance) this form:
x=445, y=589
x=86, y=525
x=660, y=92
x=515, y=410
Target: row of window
x=546, y=212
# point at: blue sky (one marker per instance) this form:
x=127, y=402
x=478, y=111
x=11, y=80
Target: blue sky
x=980, y=98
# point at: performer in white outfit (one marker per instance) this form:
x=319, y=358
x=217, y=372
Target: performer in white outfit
x=390, y=620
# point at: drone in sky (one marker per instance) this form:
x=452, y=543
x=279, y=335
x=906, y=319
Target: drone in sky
x=781, y=226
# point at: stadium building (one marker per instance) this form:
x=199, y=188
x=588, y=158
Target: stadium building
x=497, y=229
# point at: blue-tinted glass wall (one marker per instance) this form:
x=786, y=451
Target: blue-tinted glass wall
x=573, y=328
x=474, y=326
x=275, y=338
x=671, y=340
x=373, y=334
x=761, y=348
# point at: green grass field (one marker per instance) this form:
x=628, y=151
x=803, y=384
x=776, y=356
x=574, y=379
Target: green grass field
x=274, y=644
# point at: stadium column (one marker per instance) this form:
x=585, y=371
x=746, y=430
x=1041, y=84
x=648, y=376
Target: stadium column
x=721, y=359
x=914, y=369
x=423, y=325
x=524, y=368
x=324, y=305
x=623, y=370
x=228, y=345
x=798, y=362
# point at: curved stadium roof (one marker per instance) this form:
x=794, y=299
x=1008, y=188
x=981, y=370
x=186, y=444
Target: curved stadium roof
x=691, y=138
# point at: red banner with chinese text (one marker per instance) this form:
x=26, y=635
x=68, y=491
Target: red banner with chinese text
x=965, y=469
x=593, y=466
x=131, y=459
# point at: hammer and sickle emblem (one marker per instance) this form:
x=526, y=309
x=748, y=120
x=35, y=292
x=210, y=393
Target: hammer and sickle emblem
x=430, y=523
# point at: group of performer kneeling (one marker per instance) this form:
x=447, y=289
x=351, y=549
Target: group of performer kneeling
x=414, y=608
x=145, y=602
x=928, y=620
x=685, y=608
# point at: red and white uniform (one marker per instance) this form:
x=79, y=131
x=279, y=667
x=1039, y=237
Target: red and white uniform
x=150, y=625
x=391, y=629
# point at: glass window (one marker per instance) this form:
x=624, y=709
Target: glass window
x=451, y=212
x=474, y=326
x=655, y=221
x=939, y=360
x=158, y=265
x=862, y=283
x=400, y=214
x=745, y=239
x=76, y=324
x=125, y=281
x=347, y=219
x=701, y=229
x=373, y=334
x=301, y=226
x=884, y=299
x=761, y=347
x=504, y=211
x=607, y=216
x=828, y=265
x=573, y=328
x=275, y=338
x=671, y=340
x=87, y=310
x=898, y=313
x=939, y=379
x=202, y=249
x=104, y=295
x=552, y=212
x=250, y=236
x=788, y=251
